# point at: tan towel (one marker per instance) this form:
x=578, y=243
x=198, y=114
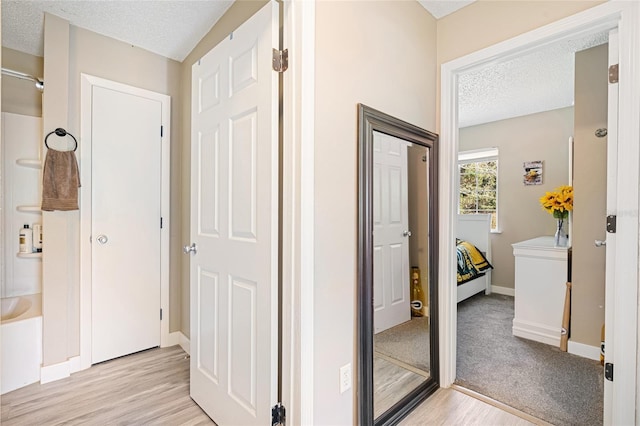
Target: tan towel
x=60, y=181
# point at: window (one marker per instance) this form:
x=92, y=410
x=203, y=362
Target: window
x=478, y=172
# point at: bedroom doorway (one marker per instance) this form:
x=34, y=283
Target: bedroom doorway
x=523, y=318
x=601, y=18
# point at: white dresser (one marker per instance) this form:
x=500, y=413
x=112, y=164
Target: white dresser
x=541, y=272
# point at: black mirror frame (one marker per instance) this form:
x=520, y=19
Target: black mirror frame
x=370, y=120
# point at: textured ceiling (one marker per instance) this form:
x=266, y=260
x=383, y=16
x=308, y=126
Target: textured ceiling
x=539, y=81
x=440, y=8
x=170, y=28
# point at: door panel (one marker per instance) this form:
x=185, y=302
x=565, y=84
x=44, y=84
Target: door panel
x=126, y=188
x=234, y=216
x=390, y=221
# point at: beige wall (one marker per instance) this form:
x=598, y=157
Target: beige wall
x=381, y=54
x=590, y=188
x=21, y=96
x=239, y=12
x=543, y=136
x=107, y=58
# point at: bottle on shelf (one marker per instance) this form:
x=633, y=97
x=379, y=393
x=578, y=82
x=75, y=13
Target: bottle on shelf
x=26, y=240
x=37, y=237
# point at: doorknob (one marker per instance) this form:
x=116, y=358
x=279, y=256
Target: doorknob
x=406, y=234
x=102, y=239
x=599, y=243
x=189, y=249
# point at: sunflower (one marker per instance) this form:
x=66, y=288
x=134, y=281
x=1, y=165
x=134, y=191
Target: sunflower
x=559, y=202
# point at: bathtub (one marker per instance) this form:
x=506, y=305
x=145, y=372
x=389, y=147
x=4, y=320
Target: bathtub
x=21, y=341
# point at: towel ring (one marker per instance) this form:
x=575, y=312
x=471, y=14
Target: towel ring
x=60, y=132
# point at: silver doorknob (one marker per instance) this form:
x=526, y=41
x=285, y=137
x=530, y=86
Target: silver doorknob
x=102, y=239
x=190, y=249
x=406, y=233
x=599, y=243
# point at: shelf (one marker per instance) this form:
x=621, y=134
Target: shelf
x=29, y=162
x=29, y=209
x=30, y=255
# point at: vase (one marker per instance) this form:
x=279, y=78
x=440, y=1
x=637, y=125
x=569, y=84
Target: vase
x=561, y=236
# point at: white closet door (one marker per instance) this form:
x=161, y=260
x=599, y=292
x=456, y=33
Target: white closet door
x=126, y=187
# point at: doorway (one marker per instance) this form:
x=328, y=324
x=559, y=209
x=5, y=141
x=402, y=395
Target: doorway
x=124, y=220
x=603, y=17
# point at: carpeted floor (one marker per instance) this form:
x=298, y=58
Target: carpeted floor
x=555, y=386
x=408, y=343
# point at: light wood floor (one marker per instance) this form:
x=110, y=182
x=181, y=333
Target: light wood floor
x=149, y=388
x=152, y=388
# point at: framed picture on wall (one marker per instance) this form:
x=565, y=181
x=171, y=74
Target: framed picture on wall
x=532, y=172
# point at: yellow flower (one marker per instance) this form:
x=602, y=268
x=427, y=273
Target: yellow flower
x=559, y=202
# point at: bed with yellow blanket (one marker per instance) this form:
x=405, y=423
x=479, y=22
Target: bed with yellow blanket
x=473, y=247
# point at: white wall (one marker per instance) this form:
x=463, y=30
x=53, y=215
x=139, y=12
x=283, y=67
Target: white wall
x=381, y=54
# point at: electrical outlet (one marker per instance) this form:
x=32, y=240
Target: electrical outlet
x=345, y=378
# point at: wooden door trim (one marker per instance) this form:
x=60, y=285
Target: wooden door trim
x=86, y=84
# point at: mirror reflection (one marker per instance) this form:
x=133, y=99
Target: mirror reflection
x=400, y=202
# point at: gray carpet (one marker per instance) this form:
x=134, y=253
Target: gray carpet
x=555, y=386
x=407, y=342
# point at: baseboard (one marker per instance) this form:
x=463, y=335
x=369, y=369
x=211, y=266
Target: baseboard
x=585, y=351
x=185, y=343
x=537, y=332
x=51, y=373
x=74, y=364
x=174, y=338
x=503, y=290
x=178, y=338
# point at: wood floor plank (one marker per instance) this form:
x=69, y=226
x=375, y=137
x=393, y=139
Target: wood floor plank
x=150, y=387
x=450, y=407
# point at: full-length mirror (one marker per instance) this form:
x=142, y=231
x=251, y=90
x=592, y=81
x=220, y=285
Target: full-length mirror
x=397, y=313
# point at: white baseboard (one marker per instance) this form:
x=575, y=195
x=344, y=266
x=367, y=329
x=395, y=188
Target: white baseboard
x=537, y=332
x=185, y=343
x=174, y=339
x=51, y=373
x=178, y=338
x=503, y=290
x=586, y=351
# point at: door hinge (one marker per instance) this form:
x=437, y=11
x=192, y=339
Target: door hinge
x=160, y=314
x=613, y=73
x=611, y=224
x=280, y=60
x=278, y=415
x=161, y=131
x=608, y=371
x=161, y=223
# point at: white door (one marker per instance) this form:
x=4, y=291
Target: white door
x=125, y=229
x=234, y=225
x=390, y=232
x=610, y=238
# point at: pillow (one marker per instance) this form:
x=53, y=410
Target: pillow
x=477, y=258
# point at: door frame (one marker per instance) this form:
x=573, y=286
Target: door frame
x=87, y=82
x=621, y=15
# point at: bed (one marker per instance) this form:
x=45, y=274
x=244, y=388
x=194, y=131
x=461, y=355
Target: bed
x=475, y=229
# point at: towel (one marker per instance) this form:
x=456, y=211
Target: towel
x=60, y=181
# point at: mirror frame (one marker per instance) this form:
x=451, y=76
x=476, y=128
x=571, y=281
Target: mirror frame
x=370, y=120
